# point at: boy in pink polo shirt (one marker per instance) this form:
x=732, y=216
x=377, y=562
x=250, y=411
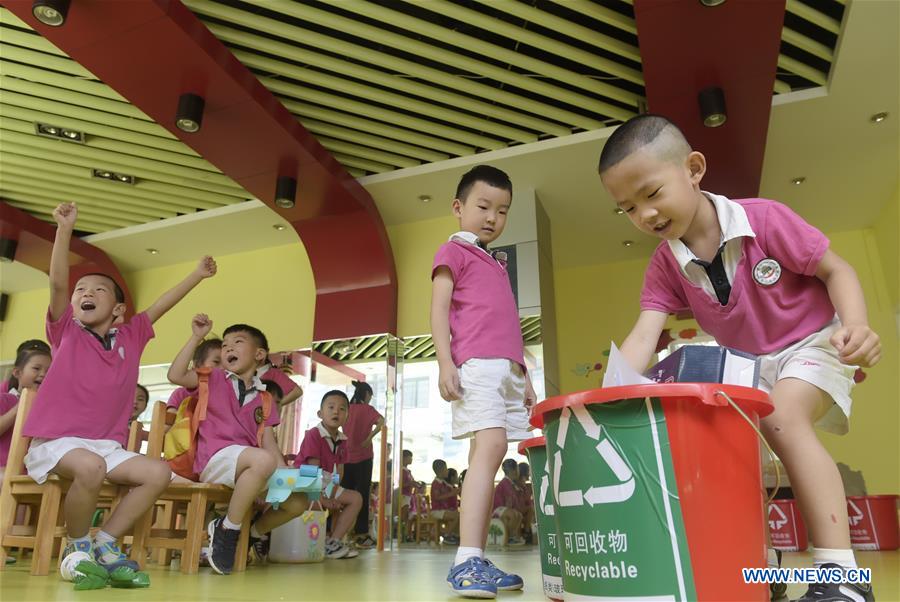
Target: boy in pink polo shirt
x=324, y=445
x=482, y=369
x=759, y=279
x=231, y=449
x=79, y=420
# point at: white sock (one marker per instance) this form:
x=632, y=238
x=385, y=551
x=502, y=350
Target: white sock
x=772, y=559
x=844, y=558
x=463, y=554
x=80, y=540
x=230, y=525
x=103, y=537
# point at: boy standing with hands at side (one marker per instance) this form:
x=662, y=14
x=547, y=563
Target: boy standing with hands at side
x=761, y=280
x=482, y=369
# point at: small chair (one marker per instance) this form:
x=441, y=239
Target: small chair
x=425, y=522
x=197, y=496
x=47, y=497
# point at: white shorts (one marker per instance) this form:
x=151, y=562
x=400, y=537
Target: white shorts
x=221, y=468
x=44, y=454
x=493, y=397
x=816, y=361
x=439, y=514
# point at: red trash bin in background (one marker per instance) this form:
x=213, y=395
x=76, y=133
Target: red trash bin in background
x=873, y=522
x=786, y=527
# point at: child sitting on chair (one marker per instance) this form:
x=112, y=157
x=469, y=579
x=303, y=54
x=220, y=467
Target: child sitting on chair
x=79, y=420
x=323, y=446
x=232, y=449
x=507, y=502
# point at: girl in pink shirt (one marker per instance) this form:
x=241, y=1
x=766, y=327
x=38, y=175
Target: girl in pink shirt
x=29, y=369
x=363, y=424
x=760, y=278
x=208, y=354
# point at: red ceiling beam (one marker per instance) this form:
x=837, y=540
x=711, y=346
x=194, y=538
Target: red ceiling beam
x=35, y=242
x=686, y=47
x=151, y=52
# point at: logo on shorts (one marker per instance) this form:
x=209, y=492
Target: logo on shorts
x=258, y=415
x=767, y=272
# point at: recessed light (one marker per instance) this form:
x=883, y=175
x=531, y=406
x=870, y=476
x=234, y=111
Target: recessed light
x=111, y=175
x=798, y=181
x=711, y=3
x=279, y=227
x=878, y=117
x=59, y=133
x=153, y=251
x=618, y=211
x=425, y=198
x=627, y=243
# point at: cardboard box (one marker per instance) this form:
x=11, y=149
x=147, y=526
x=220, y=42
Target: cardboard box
x=706, y=364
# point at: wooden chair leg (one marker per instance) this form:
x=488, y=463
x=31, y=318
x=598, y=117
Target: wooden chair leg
x=240, y=555
x=190, y=555
x=166, y=519
x=46, y=527
x=139, y=537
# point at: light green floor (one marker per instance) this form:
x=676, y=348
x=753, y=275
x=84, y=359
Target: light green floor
x=411, y=574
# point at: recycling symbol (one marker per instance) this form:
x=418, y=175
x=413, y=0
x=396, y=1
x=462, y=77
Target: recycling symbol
x=855, y=513
x=777, y=517
x=605, y=494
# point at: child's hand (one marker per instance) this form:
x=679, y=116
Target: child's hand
x=858, y=345
x=201, y=325
x=65, y=215
x=207, y=267
x=448, y=383
x=530, y=396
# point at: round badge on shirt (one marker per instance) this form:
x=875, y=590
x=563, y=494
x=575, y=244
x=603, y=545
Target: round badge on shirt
x=767, y=272
x=258, y=415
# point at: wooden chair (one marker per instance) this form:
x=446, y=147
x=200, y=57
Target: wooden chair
x=197, y=496
x=425, y=522
x=19, y=488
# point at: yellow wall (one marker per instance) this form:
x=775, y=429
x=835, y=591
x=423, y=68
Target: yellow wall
x=887, y=237
x=414, y=246
x=271, y=289
x=596, y=304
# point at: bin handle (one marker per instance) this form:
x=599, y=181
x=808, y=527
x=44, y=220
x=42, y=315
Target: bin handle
x=761, y=438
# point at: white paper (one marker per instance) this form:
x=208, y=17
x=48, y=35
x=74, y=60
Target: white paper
x=739, y=370
x=619, y=373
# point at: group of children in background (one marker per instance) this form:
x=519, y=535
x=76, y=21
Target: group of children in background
x=755, y=275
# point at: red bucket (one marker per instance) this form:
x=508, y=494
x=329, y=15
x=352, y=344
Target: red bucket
x=676, y=469
x=873, y=522
x=786, y=527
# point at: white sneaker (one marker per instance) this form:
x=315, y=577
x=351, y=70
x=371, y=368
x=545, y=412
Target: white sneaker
x=336, y=549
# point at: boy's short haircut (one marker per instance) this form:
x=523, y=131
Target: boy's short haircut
x=273, y=388
x=335, y=392
x=406, y=452
x=261, y=341
x=438, y=465
x=524, y=469
x=482, y=173
x=510, y=465
x=203, y=349
x=32, y=345
x=117, y=290
x=634, y=134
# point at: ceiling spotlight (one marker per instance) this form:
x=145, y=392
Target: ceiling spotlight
x=425, y=198
x=711, y=3
x=190, y=113
x=627, y=243
x=153, y=251
x=279, y=227
x=111, y=175
x=58, y=133
x=712, y=106
x=798, y=181
x=878, y=117
x=50, y=12
x=618, y=211
x=8, y=249
x=285, y=192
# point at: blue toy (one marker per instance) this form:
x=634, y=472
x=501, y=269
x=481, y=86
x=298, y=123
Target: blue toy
x=285, y=481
